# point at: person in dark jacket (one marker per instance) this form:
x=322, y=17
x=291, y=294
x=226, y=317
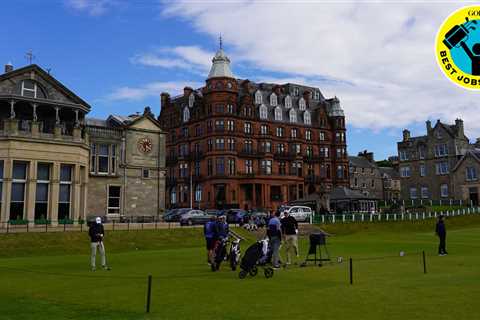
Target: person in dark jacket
x=274, y=233
x=442, y=235
x=210, y=231
x=290, y=231
x=97, y=233
x=222, y=228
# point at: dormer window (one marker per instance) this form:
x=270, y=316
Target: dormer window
x=186, y=114
x=293, y=116
x=295, y=92
x=31, y=89
x=191, y=100
x=288, y=102
x=258, y=97
x=263, y=112
x=278, y=114
x=307, y=119
x=273, y=99
x=301, y=104
x=317, y=95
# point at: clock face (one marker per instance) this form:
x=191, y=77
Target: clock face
x=144, y=145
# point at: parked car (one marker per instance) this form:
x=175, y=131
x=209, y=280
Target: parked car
x=214, y=212
x=195, y=217
x=175, y=214
x=236, y=215
x=300, y=213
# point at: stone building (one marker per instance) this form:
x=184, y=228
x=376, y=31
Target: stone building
x=46, y=161
x=465, y=177
x=426, y=162
x=236, y=143
x=365, y=175
x=391, y=183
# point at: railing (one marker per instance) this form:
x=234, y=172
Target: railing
x=424, y=202
x=284, y=156
x=251, y=153
x=97, y=131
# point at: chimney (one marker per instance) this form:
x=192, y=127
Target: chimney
x=187, y=91
x=406, y=135
x=367, y=155
x=429, y=126
x=307, y=95
x=8, y=67
x=164, y=99
x=278, y=90
x=459, y=125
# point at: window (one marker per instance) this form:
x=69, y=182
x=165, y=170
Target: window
x=405, y=172
x=340, y=173
x=307, y=119
x=41, y=196
x=230, y=108
x=173, y=196
x=301, y=104
x=279, y=132
x=421, y=152
x=309, y=151
x=295, y=91
x=340, y=153
x=471, y=173
x=266, y=167
x=324, y=152
x=317, y=95
x=292, y=115
x=210, y=145
x=423, y=170
x=413, y=193
x=296, y=169
x=17, y=200
x=198, y=193
x=444, y=190
x=231, y=144
x=220, y=166
x=230, y=125
x=197, y=168
x=297, y=148
x=294, y=132
x=441, y=150
x=258, y=97
x=340, y=137
x=282, y=168
x=113, y=200
x=288, y=102
x=263, y=129
x=103, y=159
x=219, y=108
x=322, y=136
x=186, y=114
x=308, y=135
x=219, y=144
x=210, y=167
x=145, y=173
x=219, y=125
x=191, y=100
x=248, y=127
x=278, y=114
x=31, y=89
x=403, y=155
x=424, y=192
x=65, y=191
x=183, y=170
x=248, y=146
x=248, y=166
x=185, y=132
x=273, y=99
x=263, y=112
x=231, y=166
x=280, y=148
x=441, y=168
x=266, y=146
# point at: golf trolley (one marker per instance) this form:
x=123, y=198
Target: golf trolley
x=317, y=241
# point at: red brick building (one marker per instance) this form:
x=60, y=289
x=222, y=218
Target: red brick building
x=236, y=143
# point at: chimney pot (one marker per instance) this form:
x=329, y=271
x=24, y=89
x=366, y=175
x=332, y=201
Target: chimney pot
x=8, y=67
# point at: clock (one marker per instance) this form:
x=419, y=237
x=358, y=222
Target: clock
x=144, y=145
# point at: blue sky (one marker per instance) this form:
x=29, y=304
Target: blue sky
x=120, y=55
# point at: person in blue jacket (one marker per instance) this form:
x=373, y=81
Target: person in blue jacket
x=442, y=235
x=210, y=231
x=222, y=228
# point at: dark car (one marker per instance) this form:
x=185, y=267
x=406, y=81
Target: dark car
x=175, y=214
x=236, y=215
x=214, y=212
x=195, y=217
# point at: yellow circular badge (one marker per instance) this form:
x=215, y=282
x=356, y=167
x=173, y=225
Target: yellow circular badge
x=457, y=47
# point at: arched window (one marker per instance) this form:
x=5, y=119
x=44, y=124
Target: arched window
x=293, y=115
x=307, y=119
x=198, y=193
x=258, y=97
x=301, y=104
x=288, y=102
x=191, y=100
x=263, y=112
x=186, y=114
x=278, y=114
x=30, y=89
x=173, y=196
x=273, y=99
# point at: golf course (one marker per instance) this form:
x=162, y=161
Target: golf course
x=47, y=276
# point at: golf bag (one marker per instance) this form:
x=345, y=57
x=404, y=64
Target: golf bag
x=220, y=253
x=258, y=254
x=234, y=254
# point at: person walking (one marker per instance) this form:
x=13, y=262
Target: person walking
x=97, y=233
x=442, y=235
x=290, y=230
x=210, y=232
x=274, y=234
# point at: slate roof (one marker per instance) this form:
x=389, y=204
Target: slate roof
x=344, y=193
x=360, y=162
x=389, y=171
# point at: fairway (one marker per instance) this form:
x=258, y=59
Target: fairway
x=54, y=281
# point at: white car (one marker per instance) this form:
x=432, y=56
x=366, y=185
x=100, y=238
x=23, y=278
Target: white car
x=300, y=213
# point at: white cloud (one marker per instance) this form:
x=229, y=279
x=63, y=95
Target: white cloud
x=91, y=7
x=149, y=90
x=190, y=58
x=383, y=52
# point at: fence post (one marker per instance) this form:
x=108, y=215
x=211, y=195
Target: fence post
x=8, y=225
x=323, y=218
x=149, y=293
x=113, y=225
x=64, y=225
x=343, y=218
x=353, y=217
x=128, y=225
x=363, y=217
x=351, y=271
x=371, y=218
x=333, y=221
x=424, y=263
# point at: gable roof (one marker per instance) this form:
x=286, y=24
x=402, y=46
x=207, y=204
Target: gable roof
x=474, y=153
x=57, y=84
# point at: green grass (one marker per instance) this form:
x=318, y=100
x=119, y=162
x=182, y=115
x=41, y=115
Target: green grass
x=46, y=276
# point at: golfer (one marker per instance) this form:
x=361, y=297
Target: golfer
x=97, y=233
x=274, y=233
x=442, y=235
x=290, y=231
x=210, y=231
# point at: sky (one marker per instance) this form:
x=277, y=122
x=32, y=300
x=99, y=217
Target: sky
x=376, y=57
